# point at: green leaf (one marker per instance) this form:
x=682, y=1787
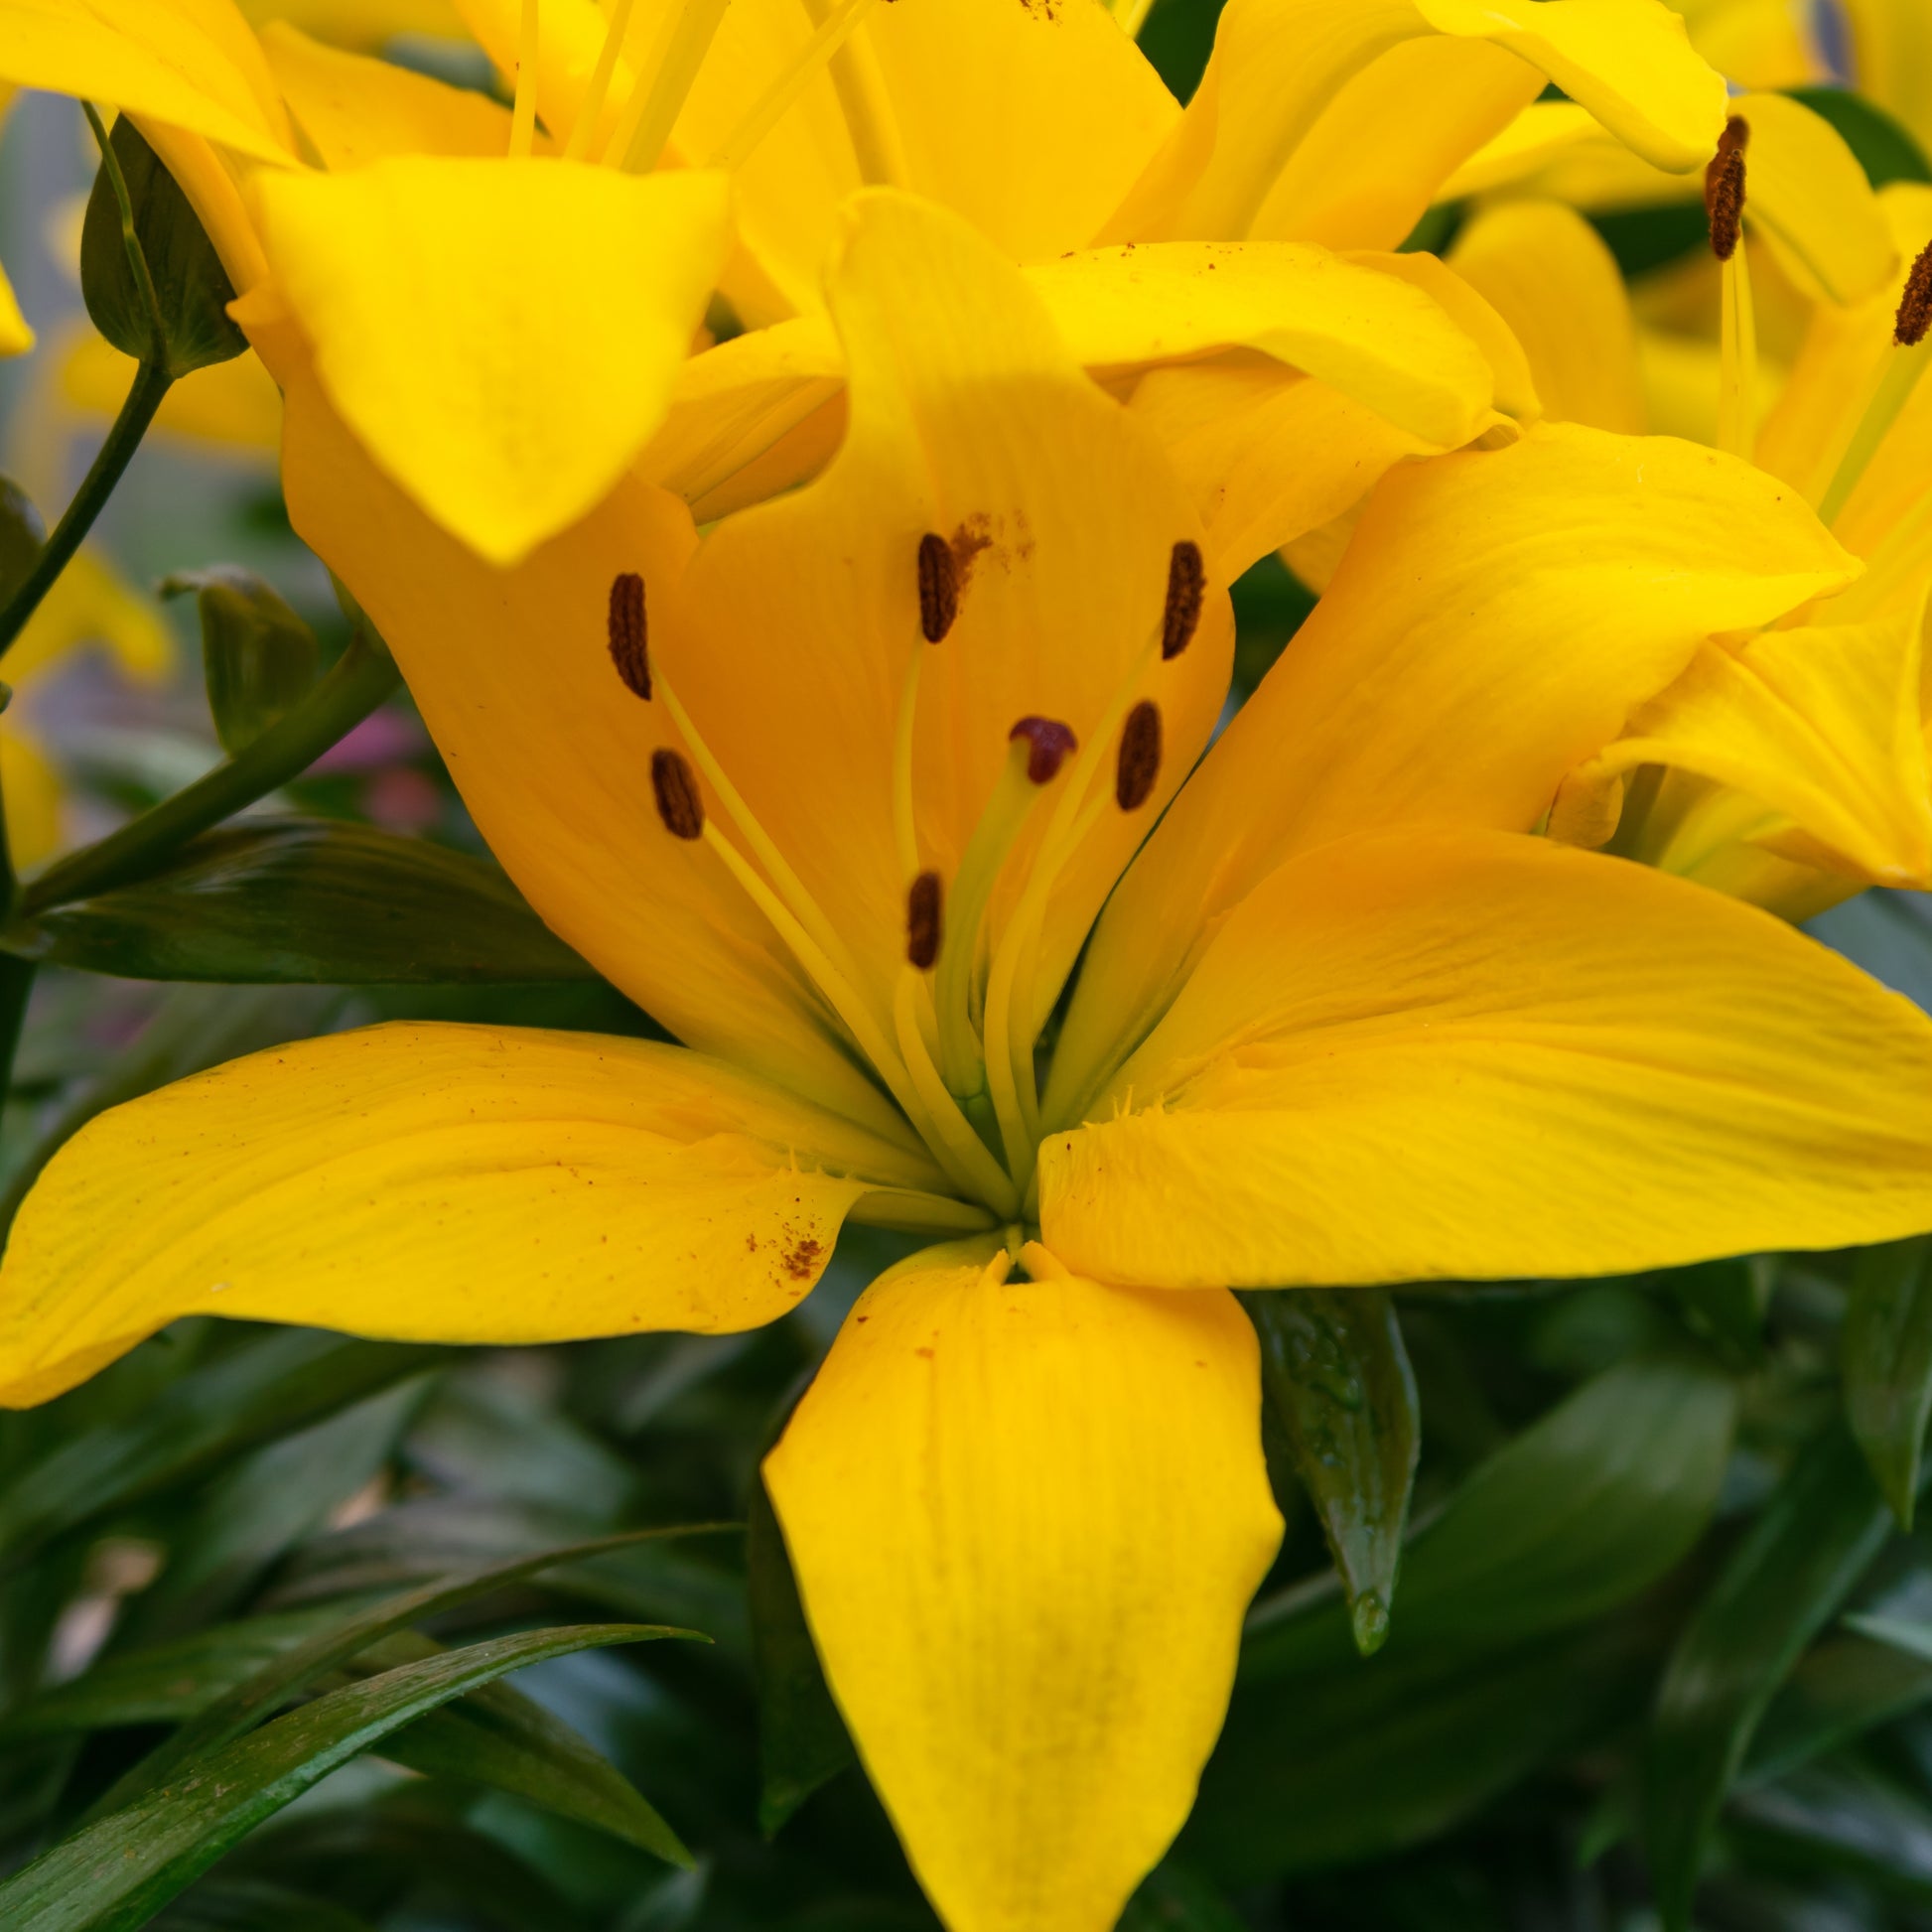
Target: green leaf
x=22, y=533
x=1795, y=1566
x=802, y=1740
x=1173, y=1899
x=1841, y=1689
x=264, y=1388
x=308, y=902
x=290, y=1672
x=1839, y=1822
x=1725, y=1301
x=499, y=1737
x=239, y=1906
x=258, y=659
x=1885, y=150
x=111, y=1877
x=1886, y=1354
x=191, y=285
x=1336, y=1372
x=1579, y=1513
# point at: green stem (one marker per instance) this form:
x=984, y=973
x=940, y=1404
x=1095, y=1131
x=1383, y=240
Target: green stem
x=16, y=984
x=362, y=677
x=150, y=383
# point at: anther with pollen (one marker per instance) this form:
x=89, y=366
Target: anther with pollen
x=679, y=803
x=1050, y=744
x=629, y=646
x=1915, y=304
x=1724, y=188
x=938, y=586
x=923, y=904
x=1186, y=585
x=1139, y=756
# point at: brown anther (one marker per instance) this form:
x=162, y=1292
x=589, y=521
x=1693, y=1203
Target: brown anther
x=1724, y=188
x=1050, y=744
x=1186, y=584
x=1915, y=304
x=679, y=803
x=1139, y=756
x=938, y=586
x=630, y=635
x=923, y=904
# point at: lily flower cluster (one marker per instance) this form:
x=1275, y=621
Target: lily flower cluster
x=846, y=692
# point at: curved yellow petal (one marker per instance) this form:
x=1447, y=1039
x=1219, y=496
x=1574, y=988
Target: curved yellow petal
x=1426, y=1055
x=971, y=422
x=1807, y=192
x=234, y=404
x=1756, y=43
x=1469, y=636
x=1547, y=273
x=33, y=791
x=362, y=25
x=355, y=109
x=432, y=1183
x=502, y=335
x=1278, y=65
x=1027, y=1519
x=1892, y=58
x=1822, y=724
x=16, y=337
x=512, y=672
x=192, y=63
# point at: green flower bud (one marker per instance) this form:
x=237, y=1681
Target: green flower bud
x=259, y=658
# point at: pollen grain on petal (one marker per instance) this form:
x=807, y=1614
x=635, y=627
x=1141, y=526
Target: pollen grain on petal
x=1139, y=756
x=679, y=803
x=1186, y=585
x=630, y=634
x=1915, y=304
x=1050, y=744
x=1724, y=188
x=922, y=921
x=938, y=586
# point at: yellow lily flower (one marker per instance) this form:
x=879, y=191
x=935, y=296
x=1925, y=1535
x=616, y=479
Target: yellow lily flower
x=839, y=792
x=1892, y=58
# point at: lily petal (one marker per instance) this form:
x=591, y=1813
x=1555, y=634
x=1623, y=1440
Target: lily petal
x=90, y=603
x=433, y=1183
x=16, y=339
x=1820, y=723
x=193, y=64
x=502, y=334
x=1548, y=273
x=1025, y=1519
x=552, y=753
x=1891, y=55
x=1469, y=636
x=1476, y=1055
x=34, y=793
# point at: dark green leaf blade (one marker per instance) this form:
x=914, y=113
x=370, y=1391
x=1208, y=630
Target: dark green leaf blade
x=802, y=1740
x=1807, y=1548
x=113, y=1875
x=1338, y=1376
x=310, y=901
x=190, y=283
x=1886, y=1354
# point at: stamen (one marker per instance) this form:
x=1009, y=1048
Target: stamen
x=958, y=1149
x=523, y=114
x=637, y=141
x=679, y=803
x=1899, y=376
x=766, y=112
x=1050, y=744
x=938, y=588
x=1724, y=188
x=1187, y=586
x=923, y=915
x=629, y=637
x=1139, y=763
x=1915, y=304
x=589, y=111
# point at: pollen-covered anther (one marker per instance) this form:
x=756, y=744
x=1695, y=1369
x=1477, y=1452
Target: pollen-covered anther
x=922, y=921
x=679, y=802
x=1724, y=188
x=938, y=586
x=629, y=632
x=1915, y=304
x=1139, y=756
x=1186, y=585
x=1050, y=744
